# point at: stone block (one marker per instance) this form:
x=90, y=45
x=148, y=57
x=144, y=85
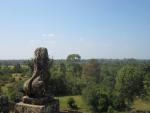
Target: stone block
x=29, y=108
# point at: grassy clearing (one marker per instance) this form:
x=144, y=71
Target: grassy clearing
x=138, y=104
x=141, y=105
x=79, y=101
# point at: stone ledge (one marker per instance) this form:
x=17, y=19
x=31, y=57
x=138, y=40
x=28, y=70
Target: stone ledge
x=37, y=101
x=28, y=108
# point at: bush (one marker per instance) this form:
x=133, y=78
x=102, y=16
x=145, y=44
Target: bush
x=129, y=83
x=110, y=109
x=12, y=90
x=96, y=98
x=119, y=104
x=72, y=104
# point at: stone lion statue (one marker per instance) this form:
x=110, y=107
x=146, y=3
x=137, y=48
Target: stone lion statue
x=36, y=86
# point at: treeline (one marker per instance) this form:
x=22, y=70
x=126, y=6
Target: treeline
x=101, y=61
x=12, y=62
x=107, y=85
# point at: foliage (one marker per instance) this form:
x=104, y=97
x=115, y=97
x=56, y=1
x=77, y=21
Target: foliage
x=92, y=69
x=73, y=65
x=118, y=103
x=146, y=81
x=108, y=73
x=110, y=109
x=96, y=98
x=107, y=84
x=74, y=58
x=31, y=67
x=129, y=83
x=58, y=86
x=72, y=104
x=13, y=91
x=17, y=68
x=82, y=106
x=66, y=77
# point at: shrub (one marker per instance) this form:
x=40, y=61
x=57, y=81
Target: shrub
x=96, y=98
x=118, y=104
x=110, y=109
x=12, y=90
x=72, y=104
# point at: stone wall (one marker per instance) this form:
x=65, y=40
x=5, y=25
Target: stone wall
x=29, y=108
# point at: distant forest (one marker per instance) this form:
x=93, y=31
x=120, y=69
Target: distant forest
x=106, y=85
x=101, y=61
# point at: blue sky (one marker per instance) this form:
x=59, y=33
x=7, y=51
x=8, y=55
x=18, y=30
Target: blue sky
x=91, y=28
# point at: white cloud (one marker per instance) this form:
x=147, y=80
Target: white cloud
x=45, y=39
x=35, y=41
x=48, y=35
x=51, y=35
x=42, y=42
x=44, y=35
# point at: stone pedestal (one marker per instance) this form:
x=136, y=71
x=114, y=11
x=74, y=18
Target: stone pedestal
x=29, y=108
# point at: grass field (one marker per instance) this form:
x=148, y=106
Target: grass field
x=141, y=105
x=137, y=105
x=79, y=101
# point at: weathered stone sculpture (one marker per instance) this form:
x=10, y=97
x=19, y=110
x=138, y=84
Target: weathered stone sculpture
x=36, y=87
x=38, y=99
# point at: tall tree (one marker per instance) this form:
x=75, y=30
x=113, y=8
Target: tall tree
x=92, y=69
x=17, y=68
x=73, y=65
x=146, y=69
x=129, y=82
x=74, y=58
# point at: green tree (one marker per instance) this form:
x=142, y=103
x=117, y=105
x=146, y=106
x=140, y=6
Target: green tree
x=147, y=84
x=58, y=82
x=13, y=91
x=17, y=68
x=73, y=74
x=74, y=58
x=73, y=65
x=129, y=83
x=30, y=64
x=146, y=81
x=92, y=70
x=110, y=109
x=108, y=73
x=118, y=103
x=62, y=69
x=96, y=98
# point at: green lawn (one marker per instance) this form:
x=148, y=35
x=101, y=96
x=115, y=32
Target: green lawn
x=137, y=105
x=79, y=101
x=141, y=105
